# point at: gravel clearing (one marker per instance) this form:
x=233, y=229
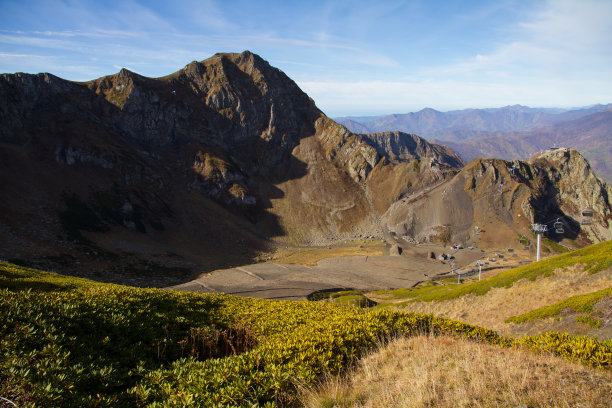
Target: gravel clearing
x=296, y=282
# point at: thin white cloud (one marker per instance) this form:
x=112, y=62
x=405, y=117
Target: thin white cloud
x=39, y=42
x=206, y=14
x=94, y=33
x=130, y=14
x=80, y=40
x=352, y=54
x=298, y=63
x=13, y=55
x=562, y=35
x=571, y=23
x=292, y=42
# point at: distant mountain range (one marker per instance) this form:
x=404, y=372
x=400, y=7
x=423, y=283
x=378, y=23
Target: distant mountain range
x=509, y=132
x=464, y=124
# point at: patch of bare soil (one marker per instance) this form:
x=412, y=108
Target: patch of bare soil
x=293, y=281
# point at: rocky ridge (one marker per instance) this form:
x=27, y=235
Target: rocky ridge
x=493, y=202
x=399, y=146
x=511, y=132
x=217, y=161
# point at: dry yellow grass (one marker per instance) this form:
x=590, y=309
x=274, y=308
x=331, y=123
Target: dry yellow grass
x=491, y=310
x=310, y=256
x=444, y=372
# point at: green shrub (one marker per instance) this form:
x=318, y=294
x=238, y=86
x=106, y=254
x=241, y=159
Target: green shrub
x=78, y=343
x=589, y=350
x=595, y=323
x=554, y=246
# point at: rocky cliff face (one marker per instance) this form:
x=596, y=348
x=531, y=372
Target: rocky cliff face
x=399, y=146
x=493, y=202
x=567, y=182
x=210, y=163
x=145, y=180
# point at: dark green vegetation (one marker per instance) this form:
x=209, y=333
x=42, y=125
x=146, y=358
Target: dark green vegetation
x=579, y=304
x=595, y=258
x=553, y=245
x=593, y=322
x=71, y=342
x=345, y=297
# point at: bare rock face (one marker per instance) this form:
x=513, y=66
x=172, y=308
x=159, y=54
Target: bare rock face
x=568, y=182
x=216, y=178
x=212, y=164
x=399, y=146
x=225, y=152
x=494, y=201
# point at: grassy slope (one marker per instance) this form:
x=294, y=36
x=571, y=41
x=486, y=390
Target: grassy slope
x=426, y=371
x=581, y=303
x=71, y=342
x=595, y=258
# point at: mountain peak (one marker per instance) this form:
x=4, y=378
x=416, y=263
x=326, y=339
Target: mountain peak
x=227, y=154
x=428, y=110
x=243, y=58
x=126, y=73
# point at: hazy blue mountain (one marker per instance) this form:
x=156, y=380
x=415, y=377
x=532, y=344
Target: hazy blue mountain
x=590, y=134
x=467, y=124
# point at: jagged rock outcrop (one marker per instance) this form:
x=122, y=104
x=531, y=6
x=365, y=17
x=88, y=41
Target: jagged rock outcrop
x=347, y=149
x=492, y=202
x=210, y=166
x=399, y=146
x=217, y=178
x=568, y=182
x=225, y=152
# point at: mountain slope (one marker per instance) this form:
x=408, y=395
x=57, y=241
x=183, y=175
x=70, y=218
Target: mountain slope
x=512, y=132
x=591, y=135
x=152, y=181
x=491, y=202
x=203, y=168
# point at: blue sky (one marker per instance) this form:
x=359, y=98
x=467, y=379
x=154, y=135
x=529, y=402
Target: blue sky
x=351, y=57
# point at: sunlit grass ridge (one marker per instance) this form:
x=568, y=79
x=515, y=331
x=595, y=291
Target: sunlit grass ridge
x=595, y=258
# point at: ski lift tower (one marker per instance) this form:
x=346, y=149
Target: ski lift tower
x=459, y=272
x=539, y=229
x=480, y=263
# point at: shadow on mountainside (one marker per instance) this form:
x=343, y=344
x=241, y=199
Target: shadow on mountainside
x=102, y=191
